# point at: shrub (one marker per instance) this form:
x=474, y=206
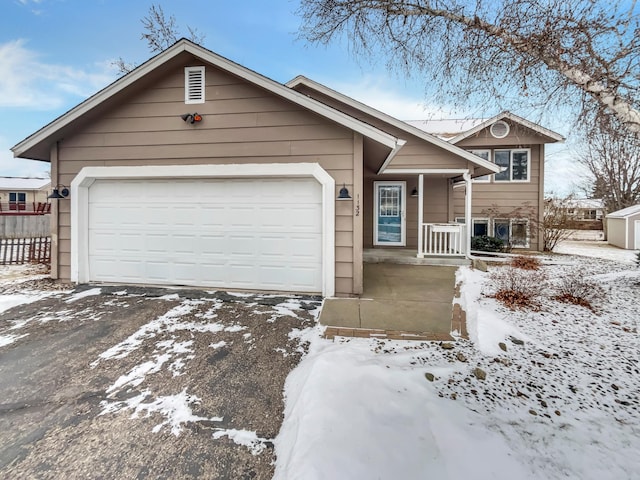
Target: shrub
x=638, y=259
x=485, y=243
x=525, y=262
x=517, y=288
x=574, y=288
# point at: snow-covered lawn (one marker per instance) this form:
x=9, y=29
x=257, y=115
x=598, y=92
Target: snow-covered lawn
x=559, y=399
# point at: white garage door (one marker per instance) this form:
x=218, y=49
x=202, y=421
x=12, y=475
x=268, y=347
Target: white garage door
x=259, y=234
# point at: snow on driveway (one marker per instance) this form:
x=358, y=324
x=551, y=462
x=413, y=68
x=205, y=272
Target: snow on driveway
x=559, y=399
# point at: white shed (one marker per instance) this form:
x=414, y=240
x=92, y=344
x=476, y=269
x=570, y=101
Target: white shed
x=623, y=228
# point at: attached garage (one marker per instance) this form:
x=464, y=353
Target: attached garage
x=623, y=228
x=250, y=227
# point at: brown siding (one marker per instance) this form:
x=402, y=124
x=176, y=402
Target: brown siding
x=506, y=197
x=241, y=124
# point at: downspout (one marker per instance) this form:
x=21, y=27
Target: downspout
x=467, y=212
x=420, y=216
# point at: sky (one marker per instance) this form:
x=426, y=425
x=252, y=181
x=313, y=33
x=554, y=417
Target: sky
x=56, y=53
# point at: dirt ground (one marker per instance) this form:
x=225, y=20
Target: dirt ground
x=131, y=382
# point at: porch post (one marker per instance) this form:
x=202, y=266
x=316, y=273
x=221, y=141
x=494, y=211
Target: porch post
x=467, y=212
x=420, y=215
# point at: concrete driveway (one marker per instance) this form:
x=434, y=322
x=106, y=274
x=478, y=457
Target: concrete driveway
x=130, y=382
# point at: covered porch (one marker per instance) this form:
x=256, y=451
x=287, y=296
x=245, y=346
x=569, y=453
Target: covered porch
x=412, y=214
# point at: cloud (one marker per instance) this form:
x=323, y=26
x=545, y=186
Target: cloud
x=378, y=93
x=563, y=174
x=18, y=167
x=27, y=82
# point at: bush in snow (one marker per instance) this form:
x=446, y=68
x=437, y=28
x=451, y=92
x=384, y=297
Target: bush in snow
x=638, y=259
x=574, y=288
x=484, y=243
x=518, y=288
x=526, y=262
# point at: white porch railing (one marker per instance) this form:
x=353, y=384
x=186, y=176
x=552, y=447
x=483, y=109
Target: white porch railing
x=443, y=239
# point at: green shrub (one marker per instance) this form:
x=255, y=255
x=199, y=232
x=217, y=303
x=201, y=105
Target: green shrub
x=486, y=243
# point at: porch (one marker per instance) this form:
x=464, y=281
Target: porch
x=400, y=301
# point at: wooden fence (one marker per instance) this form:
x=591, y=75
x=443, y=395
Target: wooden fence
x=17, y=251
x=25, y=226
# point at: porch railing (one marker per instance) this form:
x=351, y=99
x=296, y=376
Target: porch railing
x=443, y=239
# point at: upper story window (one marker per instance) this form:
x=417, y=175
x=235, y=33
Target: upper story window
x=194, y=86
x=516, y=165
x=485, y=154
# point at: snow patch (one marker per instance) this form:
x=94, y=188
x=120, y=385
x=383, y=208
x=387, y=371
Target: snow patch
x=8, y=339
x=249, y=439
x=87, y=293
x=175, y=408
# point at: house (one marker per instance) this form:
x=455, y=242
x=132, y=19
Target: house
x=585, y=209
x=194, y=170
x=508, y=205
x=23, y=195
x=623, y=228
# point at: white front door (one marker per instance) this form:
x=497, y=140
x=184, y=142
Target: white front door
x=637, y=235
x=389, y=213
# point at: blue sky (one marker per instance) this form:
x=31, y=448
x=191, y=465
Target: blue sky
x=56, y=53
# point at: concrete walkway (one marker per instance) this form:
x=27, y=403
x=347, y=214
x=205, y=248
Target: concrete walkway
x=398, y=301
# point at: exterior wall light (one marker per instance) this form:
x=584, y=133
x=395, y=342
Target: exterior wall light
x=414, y=192
x=191, y=117
x=59, y=192
x=344, y=193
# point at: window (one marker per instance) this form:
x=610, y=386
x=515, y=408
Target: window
x=501, y=230
x=515, y=163
x=460, y=220
x=513, y=232
x=480, y=227
x=499, y=129
x=17, y=201
x=194, y=85
x=485, y=154
x=520, y=233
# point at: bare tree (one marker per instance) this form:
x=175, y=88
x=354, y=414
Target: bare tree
x=160, y=33
x=557, y=222
x=612, y=156
x=586, y=52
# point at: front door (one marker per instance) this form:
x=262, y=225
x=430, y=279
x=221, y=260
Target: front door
x=389, y=221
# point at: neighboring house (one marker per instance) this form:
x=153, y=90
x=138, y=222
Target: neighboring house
x=623, y=228
x=23, y=195
x=194, y=170
x=585, y=208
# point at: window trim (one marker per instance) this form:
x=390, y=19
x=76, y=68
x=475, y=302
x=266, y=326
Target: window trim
x=527, y=243
x=501, y=220
x=510, y=168
x=483, y=178
x=188, y=98
x=17, y=199
x=480, y=220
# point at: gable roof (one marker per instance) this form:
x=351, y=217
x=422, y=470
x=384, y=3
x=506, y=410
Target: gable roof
x=480, y=124
x=302, y=80
x=625, y=212
x=37, y=145
x=22, y=183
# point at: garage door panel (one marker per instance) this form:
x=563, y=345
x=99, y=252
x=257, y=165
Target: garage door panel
x=233, y=233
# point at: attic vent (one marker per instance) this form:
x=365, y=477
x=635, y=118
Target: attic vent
x=500, y=129
x=194, y=85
